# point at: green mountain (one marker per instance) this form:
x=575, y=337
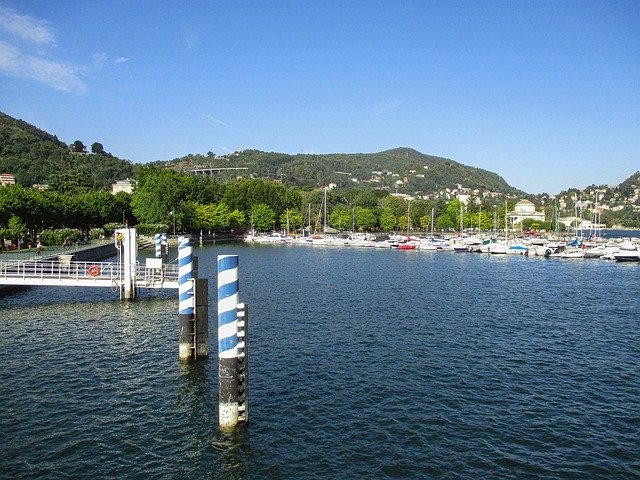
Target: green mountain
x=402, y=169
x=34, y=156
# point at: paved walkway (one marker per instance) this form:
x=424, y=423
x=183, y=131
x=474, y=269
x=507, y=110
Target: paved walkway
x=51, y=252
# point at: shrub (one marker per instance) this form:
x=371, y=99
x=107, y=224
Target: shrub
x=56, y=237
x=109, y=228
x=96, y=233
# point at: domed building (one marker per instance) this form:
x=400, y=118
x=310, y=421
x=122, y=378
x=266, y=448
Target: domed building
x=525, y=209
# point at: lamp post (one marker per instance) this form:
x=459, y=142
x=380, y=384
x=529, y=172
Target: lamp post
x=173, y=214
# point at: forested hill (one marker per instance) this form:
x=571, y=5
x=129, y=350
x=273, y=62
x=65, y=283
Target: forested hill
x=34, y=156
x=404, y=169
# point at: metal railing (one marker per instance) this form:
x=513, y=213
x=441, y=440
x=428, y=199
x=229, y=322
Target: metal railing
x=68, y=270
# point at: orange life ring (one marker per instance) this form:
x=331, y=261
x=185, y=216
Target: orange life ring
x=93, y=271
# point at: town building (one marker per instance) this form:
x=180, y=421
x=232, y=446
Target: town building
x=122, y=186
x=7, y=179
x=525, y=209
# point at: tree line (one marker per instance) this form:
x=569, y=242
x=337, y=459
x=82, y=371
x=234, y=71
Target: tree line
x=165, y=199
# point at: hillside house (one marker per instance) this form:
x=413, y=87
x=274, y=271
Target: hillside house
x=7, y=179
x=122, y=186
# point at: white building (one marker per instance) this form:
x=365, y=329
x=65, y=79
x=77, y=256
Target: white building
x=122, y=186
x=7, y=179
x=525, y=209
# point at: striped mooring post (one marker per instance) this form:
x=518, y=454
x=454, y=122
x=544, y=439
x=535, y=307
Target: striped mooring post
x=232, y=342
x=185, y=298
x=164, y=248
x=156, y=241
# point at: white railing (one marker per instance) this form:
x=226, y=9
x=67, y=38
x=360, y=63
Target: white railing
x=68, y=270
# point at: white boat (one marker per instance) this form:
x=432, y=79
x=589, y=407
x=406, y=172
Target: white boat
x=627, y=255
x=273, y=237
x=572, y=253
x=486, y=245
x=498, y=248
x=627, y=252
x=360, y=240
x=432, y=244
x=517, y=249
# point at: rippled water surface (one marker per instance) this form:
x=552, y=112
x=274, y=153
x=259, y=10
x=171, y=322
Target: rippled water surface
x=364, y=364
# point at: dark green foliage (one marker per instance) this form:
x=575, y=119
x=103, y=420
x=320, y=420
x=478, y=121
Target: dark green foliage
x=314, y=170
x=97, y=148
x=33, y=156
x=46, y=210
x=151, y=228
x=159, y=192
x=627, y=217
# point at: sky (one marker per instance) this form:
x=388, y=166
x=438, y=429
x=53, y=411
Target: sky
x=546, y=93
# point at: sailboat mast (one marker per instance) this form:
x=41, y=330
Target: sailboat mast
x=324, y=223
x=432, y=215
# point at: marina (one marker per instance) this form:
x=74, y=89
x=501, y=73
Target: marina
x=623, y=248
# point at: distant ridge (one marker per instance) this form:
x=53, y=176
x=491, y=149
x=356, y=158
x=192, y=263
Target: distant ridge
x=33, y=156
x=403, y=169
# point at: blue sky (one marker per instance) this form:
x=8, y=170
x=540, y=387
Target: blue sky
x=546, y=94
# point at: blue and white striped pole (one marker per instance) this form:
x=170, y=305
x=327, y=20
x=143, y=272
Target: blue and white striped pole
x=228, y=340
x=156, y=240
x=186, y=301
x=164, y=248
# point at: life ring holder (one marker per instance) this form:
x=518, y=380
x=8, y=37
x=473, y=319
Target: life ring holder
x=93, y=271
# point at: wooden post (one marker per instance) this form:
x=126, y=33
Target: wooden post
x=202, y=318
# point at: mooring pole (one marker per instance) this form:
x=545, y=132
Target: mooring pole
x=186, y=302
x=128, y=245
x=156, y=241
x=164, y=248
x=227, y=341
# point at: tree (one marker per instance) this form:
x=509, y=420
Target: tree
x=340, y=218
x=396, y=204
x=453, y=210
x=71, y=182
x=158, y=193
x=78, y=147
x=425, y=222
x=237, y=219
x=388, y=221
x=245, y=194
x=365, y=219
x=263, y=217
x=97, y=148
x=483, y=220
x=444, y=222
x=16, y=229
x=291, y=219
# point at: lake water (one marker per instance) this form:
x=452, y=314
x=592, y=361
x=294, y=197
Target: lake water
x=364, y=364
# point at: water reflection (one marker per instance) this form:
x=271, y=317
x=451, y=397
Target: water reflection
x=234, y=452
x=198, y=401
